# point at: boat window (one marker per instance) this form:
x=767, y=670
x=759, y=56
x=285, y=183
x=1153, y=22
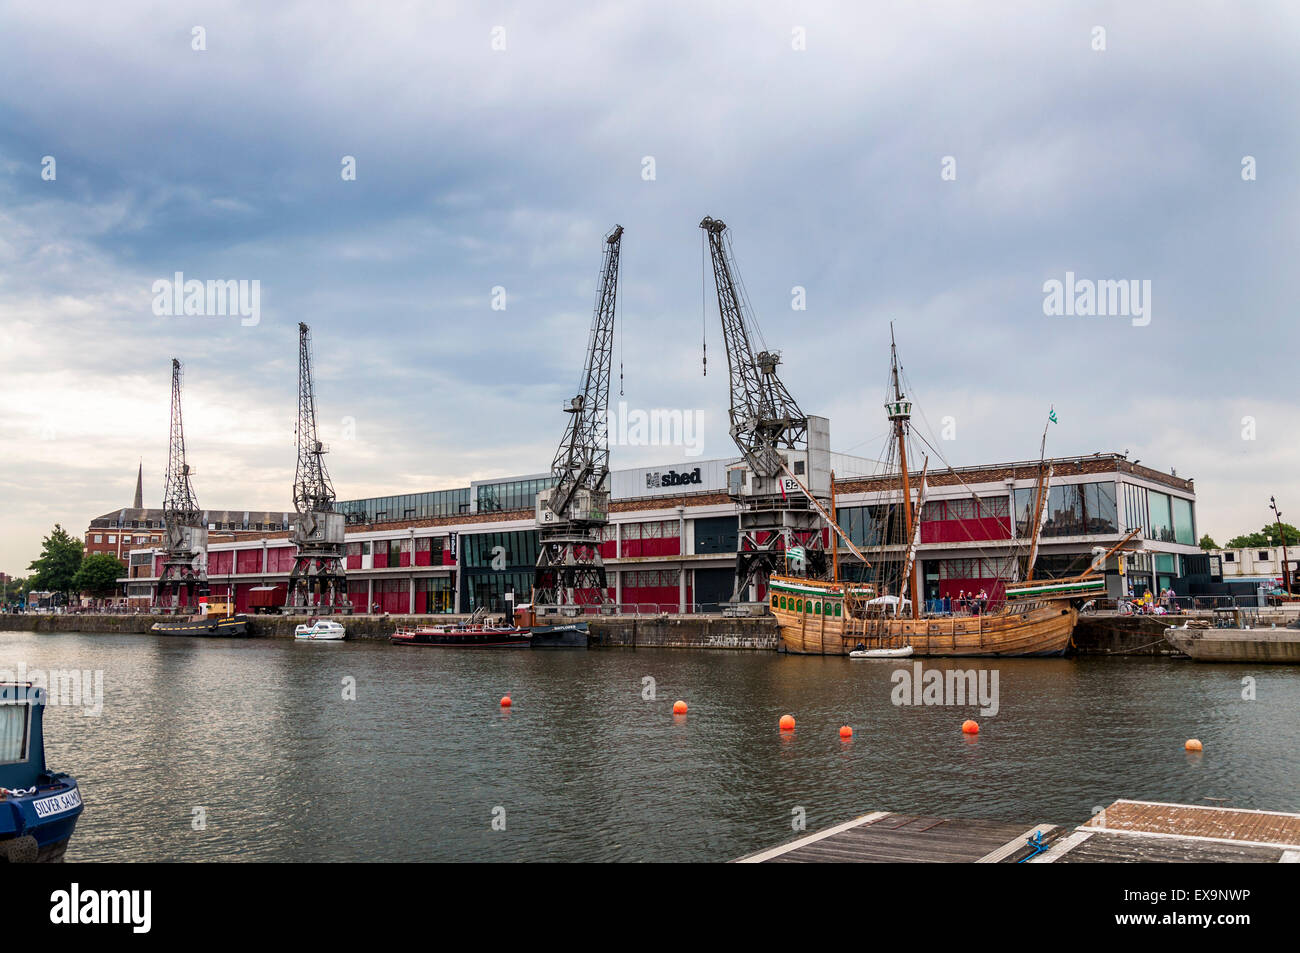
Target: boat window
x=799, y=606
x=817, y=609
x=773, y=601
x=15, y=723
x=837, y=610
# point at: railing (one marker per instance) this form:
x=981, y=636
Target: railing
x=741, y=610
x=1179, y=605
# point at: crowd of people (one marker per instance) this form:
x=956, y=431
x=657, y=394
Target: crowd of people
x=964, y=603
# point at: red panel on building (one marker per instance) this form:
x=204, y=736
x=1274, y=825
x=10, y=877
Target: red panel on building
x=381, y=560
x=357, y=594
x=280, y=559
x=221, y=563
x=248, y=560
x=241, y=595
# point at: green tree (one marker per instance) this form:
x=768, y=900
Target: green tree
x=1208, y=543
x=58, y=563
x=98, y=575
x=1271, y=534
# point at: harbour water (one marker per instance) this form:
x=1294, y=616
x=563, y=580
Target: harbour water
x=256, y=739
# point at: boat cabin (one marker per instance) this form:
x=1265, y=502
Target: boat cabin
x=22, y=745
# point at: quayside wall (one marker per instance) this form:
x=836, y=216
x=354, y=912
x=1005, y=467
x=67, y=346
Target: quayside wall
x=1094, y=635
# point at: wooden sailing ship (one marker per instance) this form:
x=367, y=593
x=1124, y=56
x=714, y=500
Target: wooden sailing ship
x=836, y=617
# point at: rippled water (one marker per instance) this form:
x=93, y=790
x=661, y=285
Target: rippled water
x=257, y=733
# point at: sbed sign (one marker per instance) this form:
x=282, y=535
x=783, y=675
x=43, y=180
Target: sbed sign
x=671, y=478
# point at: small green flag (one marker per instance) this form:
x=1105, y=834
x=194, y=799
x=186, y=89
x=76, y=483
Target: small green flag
x=796, y=553
x=1052, y=415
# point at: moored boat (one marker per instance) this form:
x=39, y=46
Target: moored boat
x=214, y=618
x=818, y=617
x=557, y=635
x=321, y=630
x=463, y=636
x=38, y=807
x=1230, y=637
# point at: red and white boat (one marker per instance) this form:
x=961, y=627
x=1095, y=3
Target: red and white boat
x=464, y=635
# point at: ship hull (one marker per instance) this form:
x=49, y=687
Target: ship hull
x=1042, y=630
x=231, y=626
x=1269, y=646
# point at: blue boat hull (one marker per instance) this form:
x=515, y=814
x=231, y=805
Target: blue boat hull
x=36, y=827
x=566, y=636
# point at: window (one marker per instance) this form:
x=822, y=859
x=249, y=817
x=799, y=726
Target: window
x=1262, y=555
x=1229, y=557
x=99, y=538
x=15, y=724
x=112, y=539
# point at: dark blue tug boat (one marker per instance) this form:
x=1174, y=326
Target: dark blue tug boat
x=38, y=807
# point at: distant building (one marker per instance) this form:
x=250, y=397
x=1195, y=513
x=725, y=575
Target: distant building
x=670, y=544
x=120, y=531
x=1254, y=563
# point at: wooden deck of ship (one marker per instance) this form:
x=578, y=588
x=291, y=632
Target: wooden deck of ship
x=1126, y=832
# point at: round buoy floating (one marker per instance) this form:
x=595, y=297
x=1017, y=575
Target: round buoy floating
x=1192, y=744
x=846, y=732
x=679, y=707
x=970, y=727
x=787, y=722
x=505, y=701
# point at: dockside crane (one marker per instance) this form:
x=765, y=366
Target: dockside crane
x=184, y=566
x=779, y=524
x=571, y=515
x=318, y=580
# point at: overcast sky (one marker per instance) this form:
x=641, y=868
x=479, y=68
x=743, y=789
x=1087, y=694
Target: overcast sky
x=479, y=167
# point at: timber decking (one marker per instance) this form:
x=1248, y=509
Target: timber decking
x=1126, y=832
x=881, y=837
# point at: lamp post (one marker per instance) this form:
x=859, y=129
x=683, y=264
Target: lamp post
x=1286, y=565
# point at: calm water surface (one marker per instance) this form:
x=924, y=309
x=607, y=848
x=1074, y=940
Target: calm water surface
x=257, y=733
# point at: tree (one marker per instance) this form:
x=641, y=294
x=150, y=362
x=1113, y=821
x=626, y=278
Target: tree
x=1208, y=543
x=98, y=575
x=58, y=563
x=1272, y=534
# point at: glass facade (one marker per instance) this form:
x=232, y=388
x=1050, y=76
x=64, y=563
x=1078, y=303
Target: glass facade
x=512, y=495
x=1073, y=509
x=1167, y=518
x=1184, y=521
x=494, y=564
x=378, y=509
x=871, y=525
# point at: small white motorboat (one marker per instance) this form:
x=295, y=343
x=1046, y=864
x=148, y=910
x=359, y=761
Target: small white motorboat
x=322, y=630
x=903, y=652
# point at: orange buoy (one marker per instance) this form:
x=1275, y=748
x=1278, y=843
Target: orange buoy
x=1192, y=744
x=506, y=702
x=787, y=722
x=970, y=727
x=679, y=707
x=846, y=732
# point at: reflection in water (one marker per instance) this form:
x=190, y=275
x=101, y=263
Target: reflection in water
x=258, y=734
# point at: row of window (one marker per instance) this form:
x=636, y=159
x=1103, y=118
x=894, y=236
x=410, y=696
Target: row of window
x=807, y=606
x=126, y=540
x=1072, y=509
x=408, y=506
x=514, y=495
x=985, y=507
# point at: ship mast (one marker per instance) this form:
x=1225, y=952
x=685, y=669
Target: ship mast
x=1040, y=501
x=900, y=412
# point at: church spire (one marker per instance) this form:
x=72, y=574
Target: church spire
x=139, y=487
